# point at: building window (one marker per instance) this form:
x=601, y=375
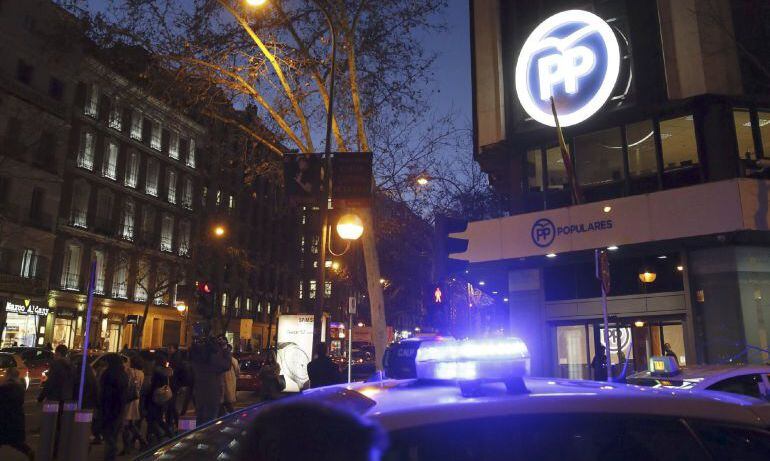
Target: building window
x=763, y=118
x=171, y=185
x=151, y=179
x=184, y=238
x=312, y=289
x=248, y=304
x=300, y=293
x=640, y=138
x=136, y=124
x=24, y=72
x=534, y=171
x=79, y=205
x=104, y=200
x=70, y=272
x=132, y=170
x=167, y=233
x=29, y=259
x=162, y=286
x=116, y=115
x=557, y=174
x=191, y=154
x=110, y=162
x=204, y=195
x=224, y=303
x=237, y=306
x=231, y=202
x=155, y=135
x=187, y=194
x=91, y=107
x=120, y=278
x=173, y=146
x=599, y=157
x=127, y=221
x=259, y=307
x=327, y=289
x=86, y=151
x=148, y=223
x=101, y=272
x=46, y=152
x=314, y=245
x=219, y=197
x=55, y=88
x=142, y=280
x=680, y=150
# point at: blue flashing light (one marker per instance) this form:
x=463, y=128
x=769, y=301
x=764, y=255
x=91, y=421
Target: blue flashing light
x=476, y=359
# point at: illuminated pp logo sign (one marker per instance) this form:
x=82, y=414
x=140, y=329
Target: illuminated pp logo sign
x=543, y=232
x=572, y=56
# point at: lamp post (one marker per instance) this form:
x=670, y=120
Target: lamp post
x=181, y=307
x=326, y=185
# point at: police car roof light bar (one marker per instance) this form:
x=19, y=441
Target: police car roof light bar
x=474, y=361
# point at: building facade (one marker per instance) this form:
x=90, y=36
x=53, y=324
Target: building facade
x=36, y=92
x=126, y=212
x=665, y=114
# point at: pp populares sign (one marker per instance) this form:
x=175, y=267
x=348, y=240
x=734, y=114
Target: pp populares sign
x=574, y=57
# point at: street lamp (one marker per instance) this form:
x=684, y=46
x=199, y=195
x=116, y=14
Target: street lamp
x=181, y=307
x=422, y=181
x=325, y=196
x=350, y=227
x=647, y=276
x=219, y=231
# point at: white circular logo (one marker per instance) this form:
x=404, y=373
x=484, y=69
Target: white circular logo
x=574, y=57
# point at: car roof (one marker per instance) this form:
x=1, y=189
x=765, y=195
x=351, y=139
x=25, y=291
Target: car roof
x=705, y=375
x=401, y=404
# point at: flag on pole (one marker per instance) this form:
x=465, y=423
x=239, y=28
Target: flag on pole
x=577, y=196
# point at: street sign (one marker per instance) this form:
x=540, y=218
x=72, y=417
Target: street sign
x=302, y=178
x=352, y=178
x=351, y=305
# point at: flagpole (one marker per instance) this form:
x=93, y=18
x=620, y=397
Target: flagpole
x=577, y=196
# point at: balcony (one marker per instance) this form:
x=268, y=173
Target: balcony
x=22, y=272
x=78, y=218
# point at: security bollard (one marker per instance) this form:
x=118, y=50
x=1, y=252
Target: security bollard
x=186, y=423
x=65, y=431
x=47, y=430
x=81, y=435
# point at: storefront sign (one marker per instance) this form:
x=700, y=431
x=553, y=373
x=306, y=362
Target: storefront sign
x=544, y=231
x=25, y=308
x=574, y=57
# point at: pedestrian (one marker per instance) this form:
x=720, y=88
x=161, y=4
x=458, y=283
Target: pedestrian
x=308, y=430
x=58, y=386
x=669, y=353
x=113, y=397
x=157, y=398
x=322, y=371
x=272, y=383
x=186, y=380
x=12, y=423
x=230, y=382
x=132, y=422
x=599, y=364
x=176, y=364
x=209, y=359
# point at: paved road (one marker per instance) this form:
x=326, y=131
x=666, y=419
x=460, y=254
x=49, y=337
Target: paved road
x=32, y=411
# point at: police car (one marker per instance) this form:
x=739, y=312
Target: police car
x=749, y=380
x=471, y=401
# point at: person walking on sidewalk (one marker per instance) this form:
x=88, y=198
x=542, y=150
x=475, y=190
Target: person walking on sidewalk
x=12, y=423
x=133, y=419
x=156, y=399
x=112, y=402
x=209, y=359
x=230, y=382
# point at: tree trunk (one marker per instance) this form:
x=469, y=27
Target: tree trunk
x=137, y=339
x=376, y=298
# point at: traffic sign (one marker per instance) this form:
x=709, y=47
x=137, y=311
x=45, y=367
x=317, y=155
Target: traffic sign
x=352, y=178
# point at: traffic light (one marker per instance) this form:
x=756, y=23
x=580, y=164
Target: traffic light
x=444, y=246
x=204, y=292
x=203, y=288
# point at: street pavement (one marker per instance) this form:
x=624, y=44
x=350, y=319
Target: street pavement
x=32, y=412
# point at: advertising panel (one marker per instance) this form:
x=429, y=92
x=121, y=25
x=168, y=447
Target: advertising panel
x=295, y=349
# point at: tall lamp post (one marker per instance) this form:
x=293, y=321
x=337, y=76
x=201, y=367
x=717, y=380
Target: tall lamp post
x=326, y=184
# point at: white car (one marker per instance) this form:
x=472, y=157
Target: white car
x=749, y=380
x=470, y=402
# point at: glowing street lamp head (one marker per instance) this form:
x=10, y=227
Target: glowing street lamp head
x=181, y=307
x=256, y=2
x=422, y=181
x=219, y=231
x=350, y=227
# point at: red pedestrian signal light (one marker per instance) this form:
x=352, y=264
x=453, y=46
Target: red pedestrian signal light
x=203, y=287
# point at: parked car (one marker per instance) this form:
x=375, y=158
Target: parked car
x=37, y=360
x=9, y=361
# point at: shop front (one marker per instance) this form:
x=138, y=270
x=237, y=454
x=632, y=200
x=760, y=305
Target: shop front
x=25, y=323
x=64, y=327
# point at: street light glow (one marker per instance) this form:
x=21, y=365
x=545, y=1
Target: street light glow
x=181, y=307
x=422, y=180
x=607, y=209
x=350, y=227
x=219, y=231
x=256, y=2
